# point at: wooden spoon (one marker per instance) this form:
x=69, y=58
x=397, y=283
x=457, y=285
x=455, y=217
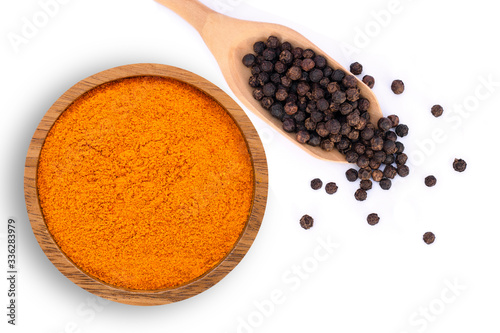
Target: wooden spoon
x=230, y=39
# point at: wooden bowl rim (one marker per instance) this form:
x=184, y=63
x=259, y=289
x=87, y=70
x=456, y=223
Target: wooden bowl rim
x=146, y=297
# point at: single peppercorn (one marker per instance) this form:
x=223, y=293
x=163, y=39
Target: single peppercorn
x=289, y=125
x=366, y=184
x=303, y=136
x=351, y=175
x=403, y=170
x=294, y=73
x=248, y=60
x=429, y=237
x=401, y=158
x=327, y=145
x=402, y=130
x=308, y=53
x=459, y=165
x=384, y=124
x=390, y=147
x=369, y=81
x=307, y=64
x=394, y=120
x=349, y=81
x=320, y=61
x=430, y=181
x=385, y=183
x=364, y=173
x=331, y=188
x=437, y=110
x=356, y=68
x=306, y=222
x=372, y=218
x=360, y=194
x=397, y=87
x=259, y=47
x=377, y=175
x=338, y=75
x=316, y=184
x=390, y=172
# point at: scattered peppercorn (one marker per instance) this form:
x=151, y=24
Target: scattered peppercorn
x=369, y=81
x=360, y=194
x=356, y=68
x=437, y=110
x=372, y=218
x=249, y=60
x=331, y=188
x=459, y=165
x=429, y=237
x=306, y=222
x=402, y=130
x=366, y=184
x=397, y=87
x=385, y=183
x=430, y=181
x=351, y=175
x=316, y=184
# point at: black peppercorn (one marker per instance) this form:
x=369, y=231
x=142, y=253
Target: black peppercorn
x=303, y=136
x=338, y=97
x=315, y=140
x=459, y=165
x=273, y=42
x=248, y=60
x=352, y=94
x=366, y=184
x=315, y=75
x=372, y=219
x=277, y=111
x=377, y=143
x=390, y=172
x=267, y=102
x=300, y=116
x=360, y=194
x=356, y=68
x=307, y=64
x=364, y=105
x=321, y=130
x=390, y=135
x=369, y=81
x=429, y=237
x=291, y=108
x=384, y=124
x=338, y=75
x=253, y=81
x=397, y=87
x=316, y=184
x=297, y=52
x=351, y=156
x=289, y=125
x=437, y=110
x=317, y=116
x=327, y=145
x=286, y=46
x=401, y=158
x=430, y=181
x=403, y=170
x=269, y=54
x=258, y=93
x=294, y=73
x=259, y=47
x=385, y=183
x=367, y=133
x=390, y=147
x=281, y=94
x=262, y=78
x=364, y=173
x=400, y=146
x=394, y=120
x=306, y=222
x=320, y=61
x=351, y=175
x=333, y=126
x=286, y=57
x=349, y=81
x=322, y=104
x=377, y=175
x=402, y=130
x=269, y=89
x=308, y=53
x=331, y=188
x=362, y=161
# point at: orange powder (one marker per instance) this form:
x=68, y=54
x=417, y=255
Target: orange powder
x=145, y=183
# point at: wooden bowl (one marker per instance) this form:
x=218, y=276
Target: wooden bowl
x=148, y=297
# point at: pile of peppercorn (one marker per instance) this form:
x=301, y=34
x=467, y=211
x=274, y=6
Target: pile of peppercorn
x=323, y=106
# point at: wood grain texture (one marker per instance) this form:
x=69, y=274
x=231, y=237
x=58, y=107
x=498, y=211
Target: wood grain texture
x=153, y=297
x=230, y=39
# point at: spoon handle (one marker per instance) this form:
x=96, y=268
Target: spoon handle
x=193, y=11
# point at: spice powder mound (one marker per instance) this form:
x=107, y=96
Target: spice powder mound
x=145, y=183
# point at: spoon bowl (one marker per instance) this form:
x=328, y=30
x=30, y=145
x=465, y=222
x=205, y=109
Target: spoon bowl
x=229, y=39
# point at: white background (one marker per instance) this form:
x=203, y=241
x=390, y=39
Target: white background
x=378, y=279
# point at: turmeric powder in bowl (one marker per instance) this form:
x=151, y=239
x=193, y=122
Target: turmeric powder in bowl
x=145, y=183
